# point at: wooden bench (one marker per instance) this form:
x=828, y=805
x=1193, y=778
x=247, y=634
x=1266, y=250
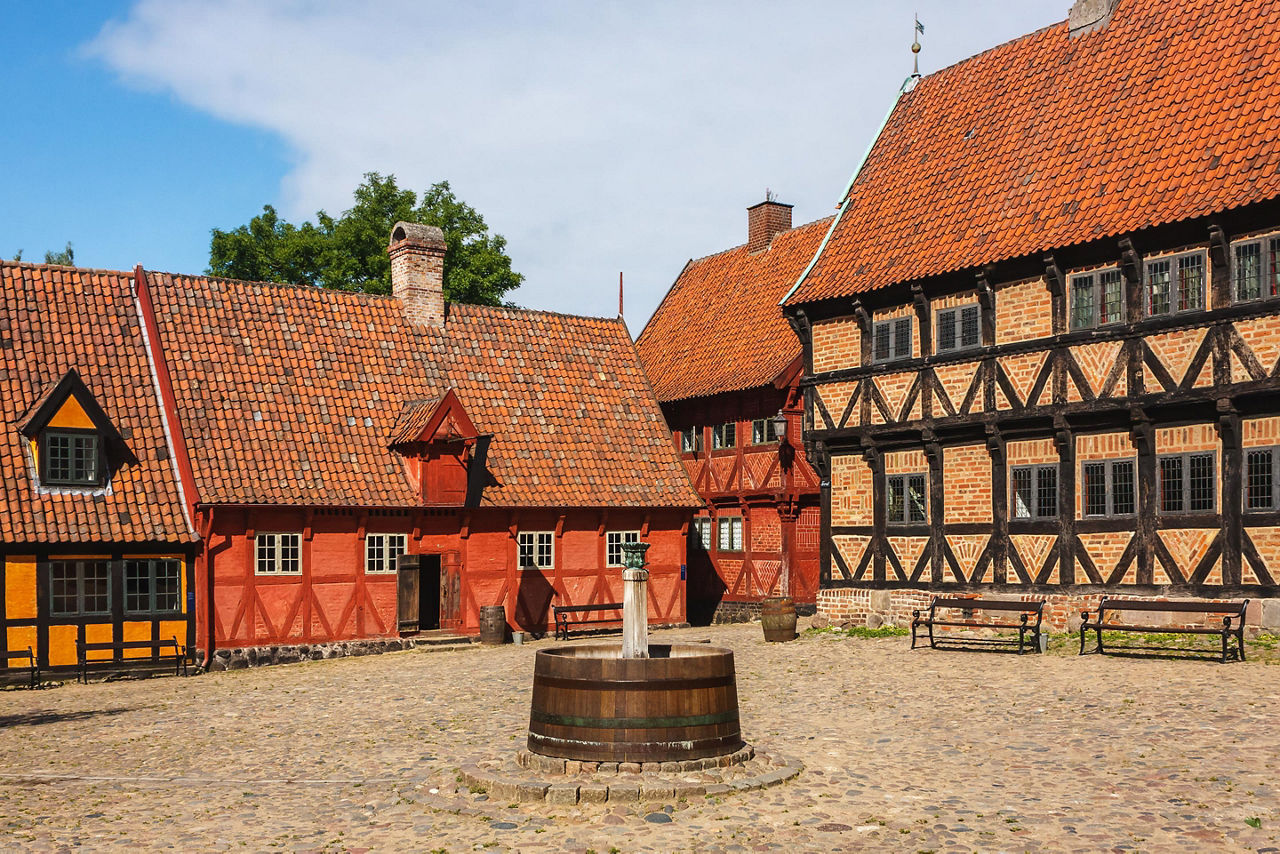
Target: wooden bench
x=565, y=615
x=1232, y=620
x=33, y=667
x=157, y=647
x=1024, y=627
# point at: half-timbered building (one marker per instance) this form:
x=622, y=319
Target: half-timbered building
x=287, y=445
x=1042, y=339
x=726, y=369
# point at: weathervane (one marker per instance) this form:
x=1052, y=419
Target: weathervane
x=915, y=48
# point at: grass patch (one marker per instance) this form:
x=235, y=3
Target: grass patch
x=860, y=632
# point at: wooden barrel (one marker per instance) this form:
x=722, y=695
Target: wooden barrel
x=493, y=624
x=778, y=618
x=591, y=704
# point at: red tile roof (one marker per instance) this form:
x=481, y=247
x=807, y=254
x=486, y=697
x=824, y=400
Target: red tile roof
x=1170, y=112
x=719, y=328
x=288, y=395
x=56, y=319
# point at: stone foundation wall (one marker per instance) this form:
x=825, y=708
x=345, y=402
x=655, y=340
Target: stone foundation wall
x=261, y=656
x=745, y=612
x=875, y=608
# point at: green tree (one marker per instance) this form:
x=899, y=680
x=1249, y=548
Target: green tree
x=350, y=252
x=67, y=256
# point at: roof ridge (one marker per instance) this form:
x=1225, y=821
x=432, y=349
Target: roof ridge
x=515, y=309
x=993, y=49
x=301, y=286
x=743, y=245
x=42, y=266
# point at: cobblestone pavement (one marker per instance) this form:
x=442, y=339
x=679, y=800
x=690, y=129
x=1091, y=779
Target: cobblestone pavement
x=904, y=751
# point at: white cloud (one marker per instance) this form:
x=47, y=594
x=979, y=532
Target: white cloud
x=596, y=136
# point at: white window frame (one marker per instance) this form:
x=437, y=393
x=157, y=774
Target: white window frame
x=894, y=352
x=275, y=562
x=613, y=541
x=532, y=543
x=953, y=318
x=382, y=552
x=1174, y=295
x=1268, y=266
x=729, y=529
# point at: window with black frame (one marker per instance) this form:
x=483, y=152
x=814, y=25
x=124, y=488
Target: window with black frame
x=79, y=588
x=1261, y=486
x=71, y=458
x=1035, y=491
x=153, y=586
x=1108, y=488
x=906, y=500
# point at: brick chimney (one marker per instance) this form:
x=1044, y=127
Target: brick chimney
x=764, y=221
x=1089, y=15
x=417, y=272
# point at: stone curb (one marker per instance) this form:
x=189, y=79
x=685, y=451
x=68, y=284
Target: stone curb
x=586, y=788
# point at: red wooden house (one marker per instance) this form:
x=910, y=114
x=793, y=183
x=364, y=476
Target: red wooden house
x=314, y=437
x=724, y=364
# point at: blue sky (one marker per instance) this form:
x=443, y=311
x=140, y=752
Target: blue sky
x=597, y=136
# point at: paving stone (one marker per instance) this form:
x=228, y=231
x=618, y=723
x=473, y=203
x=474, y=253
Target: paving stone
x=624, y=792
x=562, y=793
x=593, y=793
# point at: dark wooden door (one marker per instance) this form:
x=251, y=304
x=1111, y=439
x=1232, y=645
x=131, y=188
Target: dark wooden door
x=407, y=595
x=429, y=579
x=451, y=591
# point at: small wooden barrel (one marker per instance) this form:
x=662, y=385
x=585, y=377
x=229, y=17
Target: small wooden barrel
x=778, y=618
x=493, y=624
x=591, y=704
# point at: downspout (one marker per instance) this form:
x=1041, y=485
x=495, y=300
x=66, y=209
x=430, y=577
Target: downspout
x=907, y=86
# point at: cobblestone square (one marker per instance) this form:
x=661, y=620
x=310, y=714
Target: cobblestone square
x=924, y=750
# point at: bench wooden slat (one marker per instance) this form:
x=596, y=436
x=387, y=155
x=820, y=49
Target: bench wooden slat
x=159, y=648
x=563, y=618
x=1025, y=627
x=1227, y=610
x=32, y=665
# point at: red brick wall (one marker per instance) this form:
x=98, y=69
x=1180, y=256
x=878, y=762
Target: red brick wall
x=966, y=476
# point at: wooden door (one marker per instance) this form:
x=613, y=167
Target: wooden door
x=451, y=591
x=407, y=583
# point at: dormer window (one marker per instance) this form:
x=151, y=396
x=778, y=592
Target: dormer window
x=71, y=458
x=71, y=443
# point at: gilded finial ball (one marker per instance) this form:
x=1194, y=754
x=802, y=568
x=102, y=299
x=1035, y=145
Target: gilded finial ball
x=915, y=47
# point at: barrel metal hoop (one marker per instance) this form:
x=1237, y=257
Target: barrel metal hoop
x=635, y=684
x=541, y=717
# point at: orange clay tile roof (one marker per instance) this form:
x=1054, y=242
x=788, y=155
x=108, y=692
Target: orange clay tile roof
x=1171, y=111
x=55, y=319
x=288, y=394
x=719, y=327
x=412, y=420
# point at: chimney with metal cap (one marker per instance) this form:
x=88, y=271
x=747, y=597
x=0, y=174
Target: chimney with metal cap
x=764, y=220
x=417, y=272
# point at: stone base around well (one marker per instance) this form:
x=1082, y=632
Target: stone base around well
x=530, y=777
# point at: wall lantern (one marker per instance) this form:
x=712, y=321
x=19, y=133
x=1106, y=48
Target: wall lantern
x=780, y=426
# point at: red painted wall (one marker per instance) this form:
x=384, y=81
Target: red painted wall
x=333, y=599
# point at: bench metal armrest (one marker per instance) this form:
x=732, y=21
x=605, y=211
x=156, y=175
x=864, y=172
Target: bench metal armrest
x=1024, y=618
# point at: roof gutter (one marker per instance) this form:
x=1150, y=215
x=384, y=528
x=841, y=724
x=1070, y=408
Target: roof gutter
x=907, y=86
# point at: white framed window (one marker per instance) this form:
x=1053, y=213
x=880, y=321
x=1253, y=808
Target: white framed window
x=906, y=499
x=959, y=328
x=724, y=436
x=382, y=551
x=279, y=554
x=152, y=586
x=700, y=533
x=1255, y=268
x=763, y=431
x=691, y=440
x=1109, y=488
x=1175, y=283
x=537, y=549
x=1188, y=483
x=613, y=541
x=1035, y=491
x=891, y=340
x=729, y=530
x=1097, y=298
